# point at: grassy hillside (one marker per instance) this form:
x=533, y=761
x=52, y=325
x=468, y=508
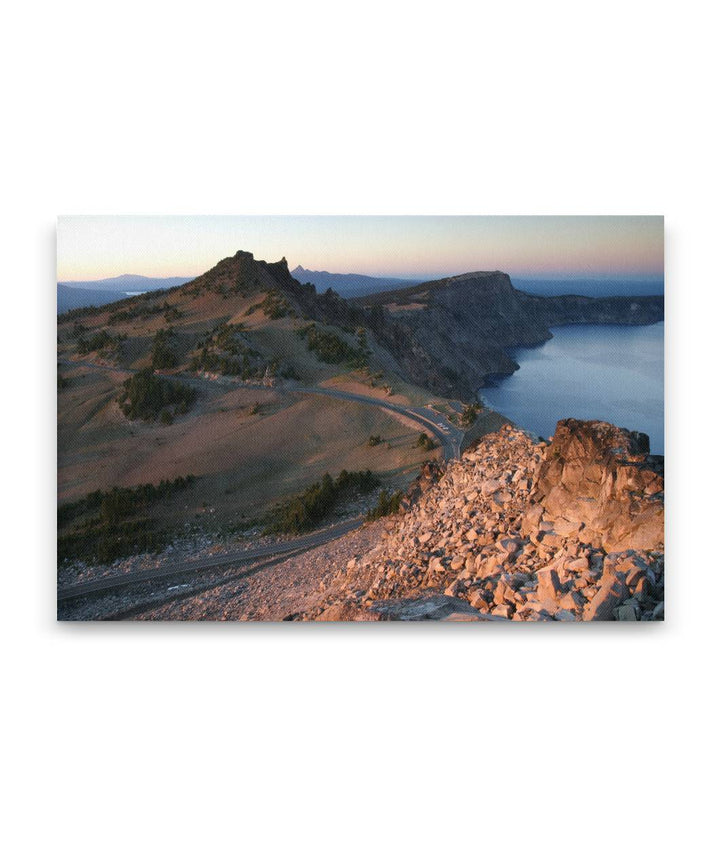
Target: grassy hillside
x=241, y=337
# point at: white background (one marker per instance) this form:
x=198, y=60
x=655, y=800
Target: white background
x=380, y=739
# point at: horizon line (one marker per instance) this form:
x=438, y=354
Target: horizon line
x=551, y=275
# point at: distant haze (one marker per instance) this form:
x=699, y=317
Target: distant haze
x=75, y=295
x=606, y=287
x=416, y=248
x=349, y=284
x=99, y=292
x=128, y=282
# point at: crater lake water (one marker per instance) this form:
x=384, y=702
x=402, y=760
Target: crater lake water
x=587, y=371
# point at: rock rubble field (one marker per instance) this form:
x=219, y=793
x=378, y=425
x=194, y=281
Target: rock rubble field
x=522, y=530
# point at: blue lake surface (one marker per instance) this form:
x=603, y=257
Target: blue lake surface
x=587, y=371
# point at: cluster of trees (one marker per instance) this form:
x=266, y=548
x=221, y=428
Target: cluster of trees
x=209, y=361
x=118, y=525
x=97, y=342
x=241, y=285
x=308, y=509
x=244, y=287
x=163, y=354
x=119, y=502
x=374, y=377
x=80, y=312
x=375, y=440
x=276, y=306
x=290, y=373
x=330, y=348
x=225, y=284
x=387, y=504
x=146, y=396
x=138, y=309
x=105, y=542
x=224, y=338
x=425, y=442
x=469, y=415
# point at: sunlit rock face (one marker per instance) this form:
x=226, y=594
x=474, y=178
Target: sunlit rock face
x=599, y=481
x=521, y=529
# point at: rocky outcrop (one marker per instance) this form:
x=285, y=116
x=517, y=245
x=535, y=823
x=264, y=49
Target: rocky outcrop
x=452, y=335
x=599, y=482
x=244, y=274
x=524, y=530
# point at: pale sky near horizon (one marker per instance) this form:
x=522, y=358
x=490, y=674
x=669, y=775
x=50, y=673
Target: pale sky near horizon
x=95, y=247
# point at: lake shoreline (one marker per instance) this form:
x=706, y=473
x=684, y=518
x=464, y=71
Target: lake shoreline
x=611, y=372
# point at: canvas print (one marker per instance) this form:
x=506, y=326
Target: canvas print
x=360, y=419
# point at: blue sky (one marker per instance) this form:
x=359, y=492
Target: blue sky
x=93, y=247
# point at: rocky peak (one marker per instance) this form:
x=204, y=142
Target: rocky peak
x=243, y=273
x=281, y=265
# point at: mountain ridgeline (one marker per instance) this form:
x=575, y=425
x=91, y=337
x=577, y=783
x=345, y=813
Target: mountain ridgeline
x=350, y=284
x=462, y=326
x=449, y=336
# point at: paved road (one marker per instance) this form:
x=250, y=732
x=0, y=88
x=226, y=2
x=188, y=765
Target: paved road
x=444, y=431
x=193, y=589
x=173, y=569
x=449, y=436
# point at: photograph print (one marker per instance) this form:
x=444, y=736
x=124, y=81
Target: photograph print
x=340, y=418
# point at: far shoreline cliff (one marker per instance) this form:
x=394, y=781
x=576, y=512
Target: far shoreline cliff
x=453, y=335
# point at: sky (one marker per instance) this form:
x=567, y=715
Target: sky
x=95, y=247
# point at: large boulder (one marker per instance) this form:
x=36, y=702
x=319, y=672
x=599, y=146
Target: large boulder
x=601, y=479
x=611, y=594
x=430, y=608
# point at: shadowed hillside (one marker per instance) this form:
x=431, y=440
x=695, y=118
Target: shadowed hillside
x=452, y=335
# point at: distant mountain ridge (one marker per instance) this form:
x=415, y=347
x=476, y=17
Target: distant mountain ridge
x=80, y=298
x=350, y=284
x=127, y=282
x=590, y=287
x=77, y=294
x=450, y=336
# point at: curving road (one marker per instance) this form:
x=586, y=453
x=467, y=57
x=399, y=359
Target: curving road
x=444, y=431
x=448, y=435
x=173, y=569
